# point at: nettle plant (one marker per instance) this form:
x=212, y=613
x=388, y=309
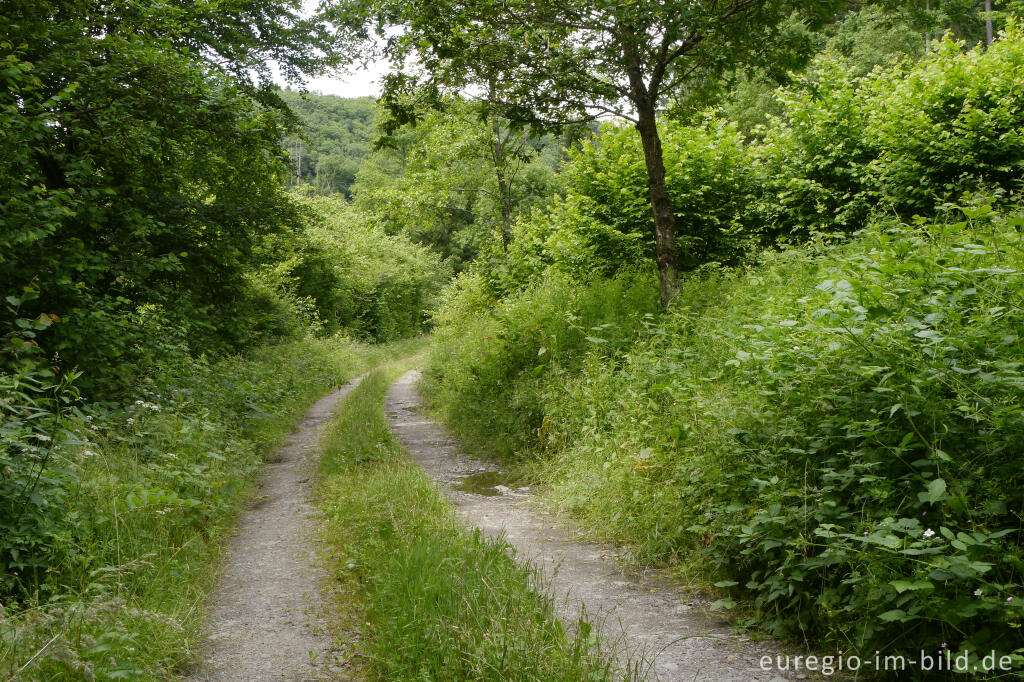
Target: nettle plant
x=880, y=476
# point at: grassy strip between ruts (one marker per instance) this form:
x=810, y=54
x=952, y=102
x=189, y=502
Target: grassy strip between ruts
x=423, y=598
x=153, y=489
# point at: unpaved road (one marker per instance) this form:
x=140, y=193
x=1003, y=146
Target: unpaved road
x=264, y=622
x=644, y=615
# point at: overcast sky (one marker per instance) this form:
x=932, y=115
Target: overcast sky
x=359, y=83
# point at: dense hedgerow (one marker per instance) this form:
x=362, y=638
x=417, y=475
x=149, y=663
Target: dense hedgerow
x=837, y=433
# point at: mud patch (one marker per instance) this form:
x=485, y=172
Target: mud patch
x=486, y=483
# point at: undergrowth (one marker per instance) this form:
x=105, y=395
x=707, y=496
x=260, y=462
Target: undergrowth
x=833, y=436
x=137, y=499
x=436, y=602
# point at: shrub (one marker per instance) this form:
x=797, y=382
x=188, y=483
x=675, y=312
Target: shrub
x=835, y=433
x=352, y=274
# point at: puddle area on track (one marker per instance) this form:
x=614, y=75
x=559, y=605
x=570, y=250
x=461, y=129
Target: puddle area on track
x=486, y=483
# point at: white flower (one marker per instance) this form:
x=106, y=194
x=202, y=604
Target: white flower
x=138, y=402
x=978, y=592
x=928, y=533
x=130, y=421
x=88, y=453
x=88, y=417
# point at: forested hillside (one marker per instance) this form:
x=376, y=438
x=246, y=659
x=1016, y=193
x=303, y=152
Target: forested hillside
x=737, y=286
x=335, y=135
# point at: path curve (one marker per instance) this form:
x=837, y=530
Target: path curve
x=648, y=614
x=265, y=621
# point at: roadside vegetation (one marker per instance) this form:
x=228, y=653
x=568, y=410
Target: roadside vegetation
x=422, y=596
x=167, y=310
x=112, y=550
x=770, y=338
x=826, y=423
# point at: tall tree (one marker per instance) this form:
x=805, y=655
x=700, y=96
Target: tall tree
x=551, y=62
x=140, y=154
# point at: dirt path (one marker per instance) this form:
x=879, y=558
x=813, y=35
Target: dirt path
x=673, y=631
x=264, y=622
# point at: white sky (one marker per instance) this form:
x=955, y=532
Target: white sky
x=357, y=83
x=354, y=82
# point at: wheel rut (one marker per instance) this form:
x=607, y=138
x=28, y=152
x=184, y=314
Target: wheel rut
x=265, y=621
x=641, y=616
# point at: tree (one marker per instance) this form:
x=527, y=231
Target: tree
x=140, y=155
x=455, y=178
x=552, y=62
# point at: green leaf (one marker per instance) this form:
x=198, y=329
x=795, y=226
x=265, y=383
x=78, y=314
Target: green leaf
x=936, y=489
x=902, y=586
x=893, y=615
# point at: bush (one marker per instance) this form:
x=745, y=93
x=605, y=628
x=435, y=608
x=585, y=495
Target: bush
x=490, y=373
x=836, y=433
x=342, y=271
x=710, y=182
x=906, y=138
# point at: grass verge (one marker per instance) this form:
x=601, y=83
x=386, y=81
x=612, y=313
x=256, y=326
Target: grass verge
x=432, y=600
x=152, y=488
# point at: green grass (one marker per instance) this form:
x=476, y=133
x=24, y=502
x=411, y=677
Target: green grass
x=432, y=600
x=150, y=504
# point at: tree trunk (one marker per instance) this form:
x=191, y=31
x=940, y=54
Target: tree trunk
x=988, y=22
x=504, y=190
x=661, y=205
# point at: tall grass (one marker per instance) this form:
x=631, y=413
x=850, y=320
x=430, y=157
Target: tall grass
x=436, y=602
x=151, y=489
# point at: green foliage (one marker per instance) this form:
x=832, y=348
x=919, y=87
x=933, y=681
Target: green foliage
x=337, y=135
x=434, y=601
x=710, y=182
x=115, y=544
x=836, y=433
x=906, y=139
x=445, y=181
x=506, y=356
x=341, y=271
x=952, y=125
x=138, y=168
x=33, y=488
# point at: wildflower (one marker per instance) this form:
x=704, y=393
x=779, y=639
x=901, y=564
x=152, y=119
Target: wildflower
x=978, y=592
x=88, y=453
x=943, y=645
x=1009, y=599
x=95, y=428
x=138, y=402
x=88, y=417
x=130, y=421
x=865, y=532
x=929, y=532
